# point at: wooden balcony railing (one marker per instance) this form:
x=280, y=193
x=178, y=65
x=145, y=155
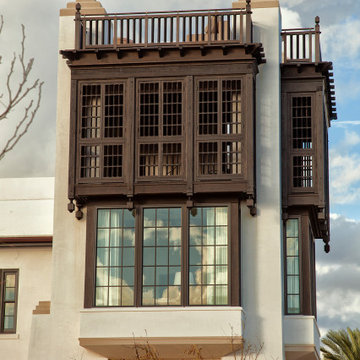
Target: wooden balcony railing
x=301, y=45
x=161, y=29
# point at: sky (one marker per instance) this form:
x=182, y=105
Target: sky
x=338, y=273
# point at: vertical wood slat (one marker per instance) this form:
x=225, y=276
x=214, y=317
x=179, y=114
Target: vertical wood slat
x=146, y=30
x=115, y=32
x=177, y=29
x=152, y=30
x=241, y=29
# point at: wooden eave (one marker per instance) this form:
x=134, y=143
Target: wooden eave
x=165, y=54
x=26, y=241
x=312, y=70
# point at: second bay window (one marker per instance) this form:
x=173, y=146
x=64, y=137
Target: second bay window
x=161, y=256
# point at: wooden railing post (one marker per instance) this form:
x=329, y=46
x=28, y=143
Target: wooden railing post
x=248, y=37
x=317, y=40
x=77, y=27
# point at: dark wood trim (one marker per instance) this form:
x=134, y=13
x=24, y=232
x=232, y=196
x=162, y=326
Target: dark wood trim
x=13, y=241
x=234, y=258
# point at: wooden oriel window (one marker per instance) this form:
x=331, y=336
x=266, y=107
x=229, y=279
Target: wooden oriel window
x=219, y=127
x=9, y=295
x=160, y=128
x=101, y=131
x=163, y=256
x=302, y=142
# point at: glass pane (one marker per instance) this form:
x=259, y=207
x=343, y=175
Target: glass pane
x=129, y=237
x=293, y=303
x=115, y=256
x=149, y=256
x=102, y=237
x=114, y=296
x=101, y=296
x=195, y=295
x=222, y=255
x=195, y=217
x=10, y=280
x=208, y=275
x=8, y=322
x=149, y=276
x=195, y=236
x=129, y=218
x=149, y=217
x=128, y=257
x=115, y=237
x=162, y=256
x=162, y=237
x=293, y=286
x=102, y=275
x=175, y=256
x=221, y=275
x=175, y=236
x=292, y=247
x=148, y=295
x=221, y=216
x=128, y=276
x=195, y=275
x=149, y=237
x=195, y=255
x=161, y=295
x=221, y=295
x=102, y=257
x=9, y=309
x=162, y=276
x=292, y=265
x=292, y=228
x=103, y=218
x=175, y=217
x=162, y=217
x=127, y=296
x=174, y=276
x=209, y=236
x=116, y=218
x=115, y=276
x=10, y=294
x=208, y=256
x=208, y=216
x=208, y=295
x=174, y=295
x=221, y=235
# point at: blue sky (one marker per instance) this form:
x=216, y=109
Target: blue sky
x=338, y=272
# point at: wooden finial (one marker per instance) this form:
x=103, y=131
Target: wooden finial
x=317, y=20
x=78, y=7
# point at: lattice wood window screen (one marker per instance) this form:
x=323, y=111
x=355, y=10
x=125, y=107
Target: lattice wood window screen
x=219, y=127
x=302, y=142
x=101, y=129
x=160, y=128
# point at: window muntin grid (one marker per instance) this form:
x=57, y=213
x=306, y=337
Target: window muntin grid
x=219, y=127
x=9, y=284
x=302, y=171
x=208, y=256
x=292, y=267
x=102, y=121
x=161, y=121
x=161, y=280
x=301, y=122
x=115, y=258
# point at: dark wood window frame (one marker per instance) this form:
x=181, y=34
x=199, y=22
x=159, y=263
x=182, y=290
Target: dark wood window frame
x=233, y=250
x=4, y=301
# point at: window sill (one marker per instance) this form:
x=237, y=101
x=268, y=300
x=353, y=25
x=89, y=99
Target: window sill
x=9, y=336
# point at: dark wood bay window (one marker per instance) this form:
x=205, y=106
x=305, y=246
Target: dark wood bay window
x=8, y=295
x=163, y=256
x=160, y=137
x=219, y=127
x=101, y=131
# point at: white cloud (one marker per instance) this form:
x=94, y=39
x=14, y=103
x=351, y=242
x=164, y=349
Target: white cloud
x=290, y=19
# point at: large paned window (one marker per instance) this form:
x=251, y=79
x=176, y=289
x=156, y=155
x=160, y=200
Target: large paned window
x=176, y=257
x=292, y=267
x=101, y=131
x=9, y=290
x=219, y=127
x=160, y=128
x=302, y=141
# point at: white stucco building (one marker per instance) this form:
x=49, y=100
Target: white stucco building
x=191, y=181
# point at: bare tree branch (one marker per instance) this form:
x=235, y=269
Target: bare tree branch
x=16, y=94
